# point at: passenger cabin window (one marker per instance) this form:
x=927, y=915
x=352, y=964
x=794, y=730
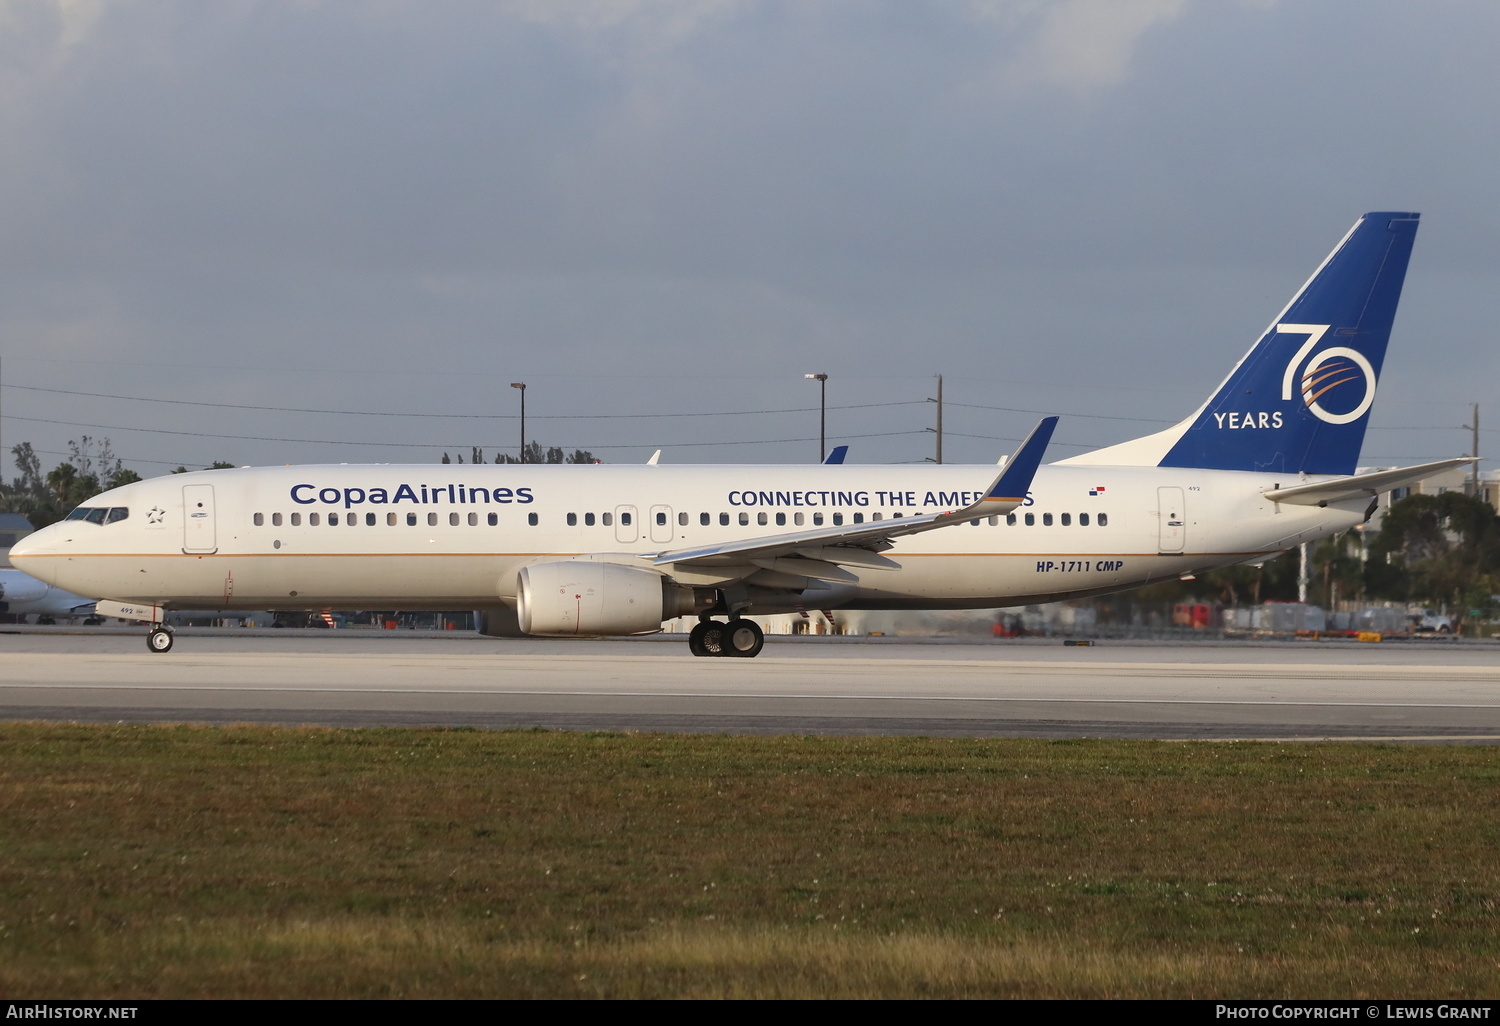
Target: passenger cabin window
x=744, y=519
x=661, y=519
x=682, y=520
x=296, y=519
x=260, y=520
x=1067, y=519
x=333, y=520
x=495, y=519
x=473, y=519
x=838, y=520
x=411, y=520
x=432, y=520
x=797, y=518
x=817, y=520
x=705, y=519
x=1083, y=520
x=312, y=520
x=877, y=516
x=572, y=519
x=1103, y=519
x=275, y=519
x=781, y=520
x=761, y=519
x=607, y=519
x=452, y=519
x=1031, y=520
x=1010, y=520
x=369, y=519
x=531, y=518
x=390, y=520
x=624, y=519
x=588, y=520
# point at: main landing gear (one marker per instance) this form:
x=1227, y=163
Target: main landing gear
x=159, y=639
x=742, y=638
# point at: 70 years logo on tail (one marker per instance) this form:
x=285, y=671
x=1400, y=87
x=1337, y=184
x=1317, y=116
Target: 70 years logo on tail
x=1325, y=373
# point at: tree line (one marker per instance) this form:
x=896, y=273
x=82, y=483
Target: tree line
x=534, y=453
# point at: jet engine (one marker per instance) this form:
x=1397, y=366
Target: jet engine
x=585, y=597
x=18, y=587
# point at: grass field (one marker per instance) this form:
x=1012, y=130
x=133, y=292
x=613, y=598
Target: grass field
x=207, y=862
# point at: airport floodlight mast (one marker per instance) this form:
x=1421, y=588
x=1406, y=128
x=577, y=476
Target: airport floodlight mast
x=822, y=380
x=522, y=386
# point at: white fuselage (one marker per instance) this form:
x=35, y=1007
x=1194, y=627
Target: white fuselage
x=456, y=536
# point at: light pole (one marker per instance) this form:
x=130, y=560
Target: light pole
x=522, y=386
x=822, y=380
x=939, y=400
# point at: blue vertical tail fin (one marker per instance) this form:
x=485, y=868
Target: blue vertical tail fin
x=1300, y=399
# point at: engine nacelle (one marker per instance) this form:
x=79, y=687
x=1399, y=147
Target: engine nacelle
x=18, y=587
x=576, y=596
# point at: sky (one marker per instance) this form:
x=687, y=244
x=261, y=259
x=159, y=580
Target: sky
x=216, y=219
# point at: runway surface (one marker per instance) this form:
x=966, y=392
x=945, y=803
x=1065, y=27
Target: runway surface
x=1436, y=691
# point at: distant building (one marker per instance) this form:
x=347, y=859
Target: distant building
x=1457, y=480
x=13, y=527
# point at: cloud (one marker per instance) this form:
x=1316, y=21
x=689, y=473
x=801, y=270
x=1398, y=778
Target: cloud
x=1081, y=45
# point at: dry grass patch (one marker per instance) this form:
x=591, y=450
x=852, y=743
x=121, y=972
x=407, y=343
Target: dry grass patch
x=140, y=861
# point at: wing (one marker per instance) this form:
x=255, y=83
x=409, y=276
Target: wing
x=822, y=553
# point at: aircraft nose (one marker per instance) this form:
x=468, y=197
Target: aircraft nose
x=24, y=553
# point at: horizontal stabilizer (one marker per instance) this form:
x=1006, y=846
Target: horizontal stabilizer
x=1361, y=486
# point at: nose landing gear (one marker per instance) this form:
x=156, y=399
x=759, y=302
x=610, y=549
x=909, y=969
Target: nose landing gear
x=159, y=639
x=741, y=638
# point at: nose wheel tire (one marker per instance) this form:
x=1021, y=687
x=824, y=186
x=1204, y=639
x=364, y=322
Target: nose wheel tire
x=159, y=640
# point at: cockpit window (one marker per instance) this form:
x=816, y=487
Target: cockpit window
x=96, y=516
x=116, y=514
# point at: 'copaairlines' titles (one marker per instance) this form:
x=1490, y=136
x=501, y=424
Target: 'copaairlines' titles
x=421, y=495
x=1236, y=421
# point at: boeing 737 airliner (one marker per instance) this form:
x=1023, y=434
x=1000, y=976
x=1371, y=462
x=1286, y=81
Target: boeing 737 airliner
x=1265, y=464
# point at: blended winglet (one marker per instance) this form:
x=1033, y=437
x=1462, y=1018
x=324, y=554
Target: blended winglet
x=1015, y=480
